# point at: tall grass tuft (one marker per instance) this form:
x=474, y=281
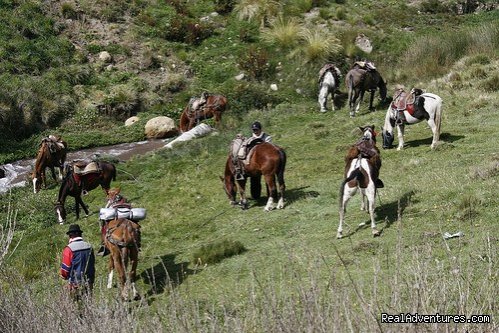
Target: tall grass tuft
x=283, y=32
x=318, y=46
x=257, y=10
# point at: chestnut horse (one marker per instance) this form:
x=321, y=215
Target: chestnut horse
x=70, y=186
x=50, y=155
x=264, y=159
x=358, y=81
x=214, y=106
x=122, y=241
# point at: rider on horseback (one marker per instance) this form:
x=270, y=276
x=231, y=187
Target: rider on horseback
x=257, y=137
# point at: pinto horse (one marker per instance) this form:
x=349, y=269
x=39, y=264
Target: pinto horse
x=360, y=174
x=358, y=81
x=214, y=107
x=264, y=159
x=411, y=109
x=121, y=240
x=329, y=82
x=50, y=155
x=70, y=186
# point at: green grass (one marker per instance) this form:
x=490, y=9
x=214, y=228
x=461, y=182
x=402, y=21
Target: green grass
x=290, y=272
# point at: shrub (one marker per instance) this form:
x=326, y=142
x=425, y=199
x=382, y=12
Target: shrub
x=224, y=6
x=282, y=32
x=491, y=84
x=255, y=62
x=216, y=252
x=318, y=46
x=433, y=7
x=68, y=11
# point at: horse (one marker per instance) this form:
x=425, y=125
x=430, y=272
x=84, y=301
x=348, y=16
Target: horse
x=121, y=240
x=360, y=174
x=264, y=159
x=329, y=82
x=51, y=154
x=358, y=81
x=72, y=187
x=214, y=107
x=411, y=109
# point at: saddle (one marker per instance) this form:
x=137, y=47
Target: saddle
x=82, y=167
x=325, y=69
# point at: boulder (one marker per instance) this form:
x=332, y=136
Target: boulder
x=105, y=57
x=132, y=120
x=160, y=127
x=363, y=43
x=2, y=173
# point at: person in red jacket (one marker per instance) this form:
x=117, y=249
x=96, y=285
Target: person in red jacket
x=78, y=263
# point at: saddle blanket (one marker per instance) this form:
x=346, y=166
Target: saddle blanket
x=82, y=169
x=134, y=214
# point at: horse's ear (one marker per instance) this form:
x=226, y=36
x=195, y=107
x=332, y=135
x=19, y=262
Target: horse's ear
x=221, y=178
x=373, y=126
x=362, y=129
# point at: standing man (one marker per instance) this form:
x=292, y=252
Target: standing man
x=78, y=263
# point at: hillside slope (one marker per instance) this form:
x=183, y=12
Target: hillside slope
x=294, y=275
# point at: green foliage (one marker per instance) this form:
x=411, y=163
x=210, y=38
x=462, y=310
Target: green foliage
x=433, y=7
x=283, y=32
x=216, y=252
x=68, y=11
x=255, y=62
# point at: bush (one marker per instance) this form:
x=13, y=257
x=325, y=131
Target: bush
x=216, y=252
x=255, y=62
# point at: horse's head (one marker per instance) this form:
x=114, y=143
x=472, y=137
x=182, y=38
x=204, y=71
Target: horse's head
x=60, y=211
x=387, y=138
x=37, y=183
x=229, y=188
x=114, y=198
x=368, y=133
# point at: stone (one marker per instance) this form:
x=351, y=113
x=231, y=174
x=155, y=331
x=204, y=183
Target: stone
x=160, y=127
x=132, y=120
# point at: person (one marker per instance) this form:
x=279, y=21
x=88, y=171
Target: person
x=258, y=136
x=78, y=263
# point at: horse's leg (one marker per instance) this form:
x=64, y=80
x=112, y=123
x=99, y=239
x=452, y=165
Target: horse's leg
x=110, y=269
x=363, y=201
x=134, y=261
x=323, y=92
x=400, y=136
x=359, y=100
x=434, y=130
x=43, y=178
x=346, y=193
x=371, y=101
x=52, y=171
x=280, y=203
x=270, y=180
x=241, y=184
x=371, y=198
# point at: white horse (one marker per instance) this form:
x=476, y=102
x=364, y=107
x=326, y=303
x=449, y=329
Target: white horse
x=411, y=109
x=359, y=175
x=329, y=81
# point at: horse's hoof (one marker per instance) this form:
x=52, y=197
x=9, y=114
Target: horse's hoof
x=339, y=235
x=376, y=233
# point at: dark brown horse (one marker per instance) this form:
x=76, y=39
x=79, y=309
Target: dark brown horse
x=122, y=241
x=358, y=81
x=51, y=154
x=213, y=108
x=72, y=185
x=264, y=159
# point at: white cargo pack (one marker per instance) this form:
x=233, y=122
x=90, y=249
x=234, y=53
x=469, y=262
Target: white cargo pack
x=134, y=214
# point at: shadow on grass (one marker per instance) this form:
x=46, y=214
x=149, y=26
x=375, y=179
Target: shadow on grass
x=445, y=137
x=389, y=212
x=165, y=274
x=290, y=196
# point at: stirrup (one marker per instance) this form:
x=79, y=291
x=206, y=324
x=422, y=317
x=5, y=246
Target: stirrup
x=379, y=183
x=239, y=176
x=84, y=192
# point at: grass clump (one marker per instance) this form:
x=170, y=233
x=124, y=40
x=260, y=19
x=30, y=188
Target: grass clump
x=216, y=252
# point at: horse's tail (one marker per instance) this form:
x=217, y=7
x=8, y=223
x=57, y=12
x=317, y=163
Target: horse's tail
x=282, y=166
x=113, y=172
x=382, y=88
x=438, y=119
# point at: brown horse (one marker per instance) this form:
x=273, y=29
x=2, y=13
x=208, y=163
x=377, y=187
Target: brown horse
x=121, y=240
x=72, y=186
x=264, y=159
x=50, y=155
x=214, y=106
x=358, y=81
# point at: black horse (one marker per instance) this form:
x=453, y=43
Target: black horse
x=72, y=185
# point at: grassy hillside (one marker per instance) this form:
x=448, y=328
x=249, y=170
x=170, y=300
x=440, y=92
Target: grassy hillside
x=294, y=275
